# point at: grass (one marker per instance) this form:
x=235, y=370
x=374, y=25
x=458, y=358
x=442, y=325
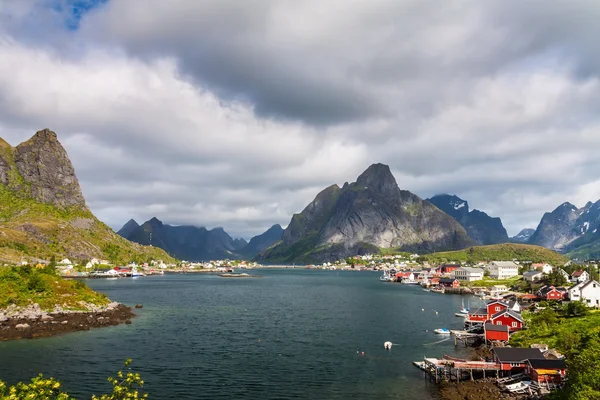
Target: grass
x=492, y=282
x=506, y=251
x=22, y=286
x=559, y=335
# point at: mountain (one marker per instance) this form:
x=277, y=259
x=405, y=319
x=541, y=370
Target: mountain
x=364, y=216
x=261, y=242
x=523, y=236
x=480, y=227
x=571, y=230
x=185, y=242
x=43, y=212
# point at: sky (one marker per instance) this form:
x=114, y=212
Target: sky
x=237, y=113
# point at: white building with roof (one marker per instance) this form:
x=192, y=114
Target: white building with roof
x=468, y=274
x=502, y=269
x=588, y=292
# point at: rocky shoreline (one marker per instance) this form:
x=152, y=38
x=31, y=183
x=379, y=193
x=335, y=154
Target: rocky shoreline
x=32, y=322
x=482, y=389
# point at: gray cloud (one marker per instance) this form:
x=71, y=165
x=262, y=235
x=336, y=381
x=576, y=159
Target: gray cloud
x=235, y=114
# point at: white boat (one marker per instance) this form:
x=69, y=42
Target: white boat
x=385, y=277
x=519, y=386
x=441, y=331
x=464, y=312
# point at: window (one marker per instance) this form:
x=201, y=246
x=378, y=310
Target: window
x=514, y=324
x=498, y=322
x=515, y=364
x=497, y=308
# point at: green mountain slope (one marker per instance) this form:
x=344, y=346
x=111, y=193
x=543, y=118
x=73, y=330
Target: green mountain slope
x=43, y=213
x=505, y=251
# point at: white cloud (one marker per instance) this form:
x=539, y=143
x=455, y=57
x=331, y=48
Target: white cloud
x=235, y=114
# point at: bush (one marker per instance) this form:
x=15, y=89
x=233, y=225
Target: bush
x=37, y=283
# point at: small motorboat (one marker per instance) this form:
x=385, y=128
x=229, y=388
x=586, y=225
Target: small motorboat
x=442, y=331
x=387, y=345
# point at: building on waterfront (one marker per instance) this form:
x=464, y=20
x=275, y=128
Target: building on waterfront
x=547, y=370
x=496, y=333
x=502, y=269
x=446, y=269
x=514, y=359
x=468, y=274
x=449, y=282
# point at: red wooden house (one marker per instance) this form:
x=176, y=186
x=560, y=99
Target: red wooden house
x=496, y=332
x=514, y=359
x=449, y=282
x=478, y=315
x=548, y=370
x=509, y=318
x=495, y=306
x=549, y=292
x=446, y=269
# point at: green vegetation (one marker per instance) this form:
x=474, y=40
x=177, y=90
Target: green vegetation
x=25, y=285
x=126, y=385
x=506, y=251
x=574, y=331
x=510, y=282
x=33, y=230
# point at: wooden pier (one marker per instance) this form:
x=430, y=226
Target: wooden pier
x=454, y=369
x=467, y=338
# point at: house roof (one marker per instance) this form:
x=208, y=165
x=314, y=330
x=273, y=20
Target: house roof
x=496, y=328
x=516, y=354
x=478, y=311
x=577, y=286
x=447, y=280
x=546, y=289
x=532, y=272
x=472, y=270
x=497, y=301
x=548, y=363
x=509, y=264
x=512, y=313
x=578, y=273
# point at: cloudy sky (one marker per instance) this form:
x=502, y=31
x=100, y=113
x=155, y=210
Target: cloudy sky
x=236, y=113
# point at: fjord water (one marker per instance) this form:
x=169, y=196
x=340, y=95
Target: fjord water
x=289, y=334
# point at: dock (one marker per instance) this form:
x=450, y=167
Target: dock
x=455, y=369
x=465, y=337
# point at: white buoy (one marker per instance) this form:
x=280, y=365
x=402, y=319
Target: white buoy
x=387, y=345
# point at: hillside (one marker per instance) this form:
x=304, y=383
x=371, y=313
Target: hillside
x=364, y=216
x=43, y=212
x=506, y=251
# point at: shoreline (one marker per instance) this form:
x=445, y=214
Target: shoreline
x=42, y=324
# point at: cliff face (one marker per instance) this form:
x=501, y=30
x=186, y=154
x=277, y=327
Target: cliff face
x=41, y=169
x=363, y=216
x=480, y=227
x=43, y=212
x=571, y=229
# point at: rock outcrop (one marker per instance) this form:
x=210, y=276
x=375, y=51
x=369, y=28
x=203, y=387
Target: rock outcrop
x=480, y=227
x=40, y=168
x=523, y=236
x=364, y=216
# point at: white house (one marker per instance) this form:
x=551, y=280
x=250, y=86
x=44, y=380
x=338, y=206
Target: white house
x=545, y=268
x=564, y=273
x=588, y=292
x=468, y=274
x=502, y=269
x=532, y=275
x=66, y=261
x=580, y=276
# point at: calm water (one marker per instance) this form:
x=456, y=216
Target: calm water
x=292, y=334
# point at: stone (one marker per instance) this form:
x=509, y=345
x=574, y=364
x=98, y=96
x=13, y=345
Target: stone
x=22, y=327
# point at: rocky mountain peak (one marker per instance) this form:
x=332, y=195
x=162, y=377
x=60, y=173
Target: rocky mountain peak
x=41, y=169
x=378, y=178
x=154, y=222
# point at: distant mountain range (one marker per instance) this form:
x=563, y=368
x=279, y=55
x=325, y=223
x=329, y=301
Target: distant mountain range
x=523, y=236
x=480, y=227
x=370, y=214
x=571, y=230
x=193, y=243
x=365, y=216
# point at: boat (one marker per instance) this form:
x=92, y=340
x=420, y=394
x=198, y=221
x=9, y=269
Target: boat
x=464, y=312
x=442, y=331
x=385, y=277
x=427, y=290
x=518, y=387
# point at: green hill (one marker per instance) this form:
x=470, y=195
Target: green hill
x=43, y=212
x=505, y=251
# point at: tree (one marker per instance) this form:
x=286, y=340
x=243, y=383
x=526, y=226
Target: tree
x=555, y=278
x=125, y=386
x=576, y=309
